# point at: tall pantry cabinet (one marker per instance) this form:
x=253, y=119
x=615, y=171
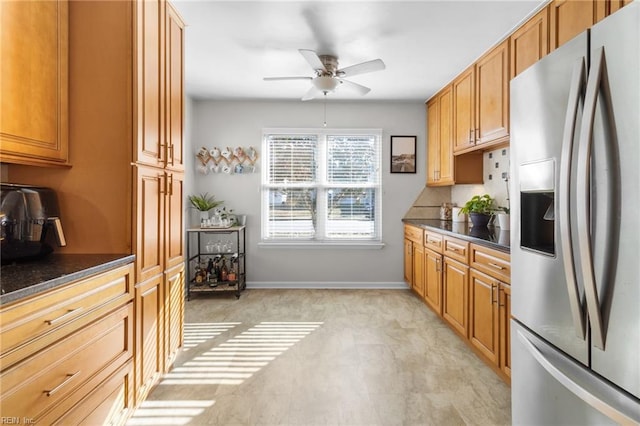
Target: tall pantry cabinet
x=158, y=177
x=123, y=189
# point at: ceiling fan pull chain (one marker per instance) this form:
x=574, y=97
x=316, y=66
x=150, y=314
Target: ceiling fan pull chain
x=325, y=109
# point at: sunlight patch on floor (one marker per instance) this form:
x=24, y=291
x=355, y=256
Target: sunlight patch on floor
x=239, y=357
x=197, y=333
x=160, y=413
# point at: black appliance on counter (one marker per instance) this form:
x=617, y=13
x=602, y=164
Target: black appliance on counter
x=27, y=215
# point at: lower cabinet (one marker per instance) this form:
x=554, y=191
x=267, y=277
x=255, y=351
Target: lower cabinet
x=484, y=315
x=83, y=375
x=455, y=290
x=468, y=286
x=174, y=313
x=418, y=269
x=433, y=280
x=149, y=336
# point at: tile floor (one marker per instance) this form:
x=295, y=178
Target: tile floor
x=323, y=357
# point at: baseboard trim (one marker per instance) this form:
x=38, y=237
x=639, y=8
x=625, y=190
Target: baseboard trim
x=327, y=285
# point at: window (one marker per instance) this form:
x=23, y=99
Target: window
x=321, y=186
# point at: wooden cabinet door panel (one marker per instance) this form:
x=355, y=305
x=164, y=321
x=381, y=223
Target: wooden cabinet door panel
x=174, y=307
x=483, y=315
x=175, y=90
x=492, y=95
x=433, y=280
x=433, y=142
x=174, y=220
x=150, y=80
x=504, y=302
x=455, y=295
x=445, y=128
x=150, y=189
x=530, y=42
x=408, y=262
x=34, y=82
x=149, y=335
x=418, y=269
x=569, y=18
x=464, y=110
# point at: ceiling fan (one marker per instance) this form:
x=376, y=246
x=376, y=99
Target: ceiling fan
x=328, y=76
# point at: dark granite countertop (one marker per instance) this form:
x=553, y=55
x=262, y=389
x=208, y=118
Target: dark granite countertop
x=490, y=236
x=22, y=279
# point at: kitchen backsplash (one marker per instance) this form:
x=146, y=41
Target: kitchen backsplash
x=496, y=170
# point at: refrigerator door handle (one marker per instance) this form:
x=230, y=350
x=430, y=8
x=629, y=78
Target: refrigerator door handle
x=578, y=80
x=583, y=201
x=579, y=381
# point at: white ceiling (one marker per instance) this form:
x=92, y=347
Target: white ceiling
x=231, y=45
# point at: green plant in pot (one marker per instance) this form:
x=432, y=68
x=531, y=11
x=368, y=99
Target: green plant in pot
x=480, y=208
x=204, y=203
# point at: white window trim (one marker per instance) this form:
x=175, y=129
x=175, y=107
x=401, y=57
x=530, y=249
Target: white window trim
x=370, y=244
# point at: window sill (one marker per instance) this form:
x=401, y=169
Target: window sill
x=331, y=245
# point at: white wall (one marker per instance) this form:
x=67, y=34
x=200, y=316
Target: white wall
x=240, y=123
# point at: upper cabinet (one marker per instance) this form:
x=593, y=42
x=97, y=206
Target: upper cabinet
x=159, y=85
x=492, y=96
x=568, y=18
x=443, y=168
x=34, y=82
x=481, y=102
x=530, y=42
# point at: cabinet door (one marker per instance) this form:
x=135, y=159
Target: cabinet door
x=149, y=232
x=418, y=269
x=174, y=220
x=433, y=280
x=464, y=110
x=433, y=142
x=569, y=18
x=492, y=95
x=34, y=82
x=445, y=129
x=175, y=90
x=455, y=295
x=483, y=315
x=530, y=42
x=174, y=309
x=149, y=335
x=408, y=262
x=150, y=79
x=504, y=301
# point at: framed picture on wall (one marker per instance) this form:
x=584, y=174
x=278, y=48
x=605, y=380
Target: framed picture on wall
x=403, y=154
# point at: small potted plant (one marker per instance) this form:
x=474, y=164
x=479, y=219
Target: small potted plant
x=204, y=203
x=503, y=217
x=480, y=208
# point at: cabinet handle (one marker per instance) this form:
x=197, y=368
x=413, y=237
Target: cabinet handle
x=477, y=134
x=61, y=385
x=171, y=153
x=496, y=266
x=170, y=180
x=431, y=241
x=438, y=266
x=501, y=297
x=62, y=317
x=163, y=183
x=493, y=286
x=470, y=136
x=454, y=249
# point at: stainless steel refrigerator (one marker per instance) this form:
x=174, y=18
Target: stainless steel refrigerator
x=575, y=231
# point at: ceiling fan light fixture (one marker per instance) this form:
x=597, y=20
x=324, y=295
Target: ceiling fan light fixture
x=325, y=84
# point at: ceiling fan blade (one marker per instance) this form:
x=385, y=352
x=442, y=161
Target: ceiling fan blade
x=311, y=94
x=286, y=78
x=369, y=66
x=313, y=59
x=362, y=90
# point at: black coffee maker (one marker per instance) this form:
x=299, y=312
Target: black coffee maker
x=28, y=214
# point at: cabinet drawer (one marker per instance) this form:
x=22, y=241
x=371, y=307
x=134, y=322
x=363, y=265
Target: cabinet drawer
x=412, y=233
x=32, y=324
x=433, y=241
x=456, y=249
x=46, y=379
x=492, y=262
